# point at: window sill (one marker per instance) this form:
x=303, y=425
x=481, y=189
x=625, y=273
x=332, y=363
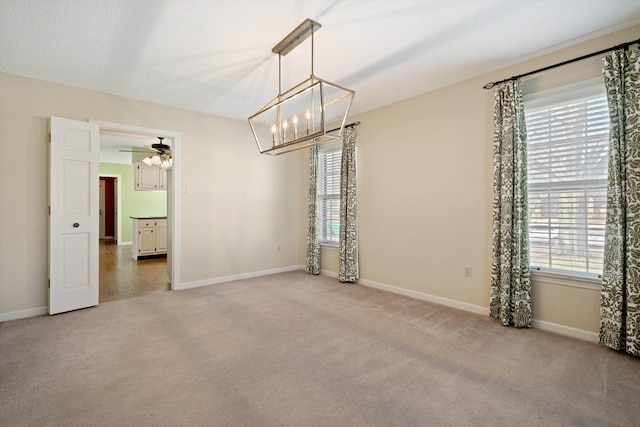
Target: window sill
x=330, y=246
x=566, y=280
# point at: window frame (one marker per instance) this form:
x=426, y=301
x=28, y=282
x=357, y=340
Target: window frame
x=556, y=96
x=324, y=150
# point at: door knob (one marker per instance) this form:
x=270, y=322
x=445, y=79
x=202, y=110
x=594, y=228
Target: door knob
x=76, y=225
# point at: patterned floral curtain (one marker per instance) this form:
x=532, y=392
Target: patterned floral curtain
x=620, y=294
x=510, y=277
x=348, y=270
x=313, y=243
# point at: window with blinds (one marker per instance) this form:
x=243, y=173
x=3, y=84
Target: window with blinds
x=329, y=193
x=567, y=143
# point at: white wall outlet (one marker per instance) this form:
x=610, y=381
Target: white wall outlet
x=468, y=270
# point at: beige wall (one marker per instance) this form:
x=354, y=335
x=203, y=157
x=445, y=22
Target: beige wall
x=424, y=180
x=425, y=195
x=239, y=207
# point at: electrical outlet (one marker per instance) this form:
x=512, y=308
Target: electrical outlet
x=468, y=270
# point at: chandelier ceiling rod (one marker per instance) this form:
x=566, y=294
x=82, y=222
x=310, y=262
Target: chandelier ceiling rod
x=291, y=41
x=295, y=37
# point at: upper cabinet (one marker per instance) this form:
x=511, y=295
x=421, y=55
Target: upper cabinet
x=150, y=178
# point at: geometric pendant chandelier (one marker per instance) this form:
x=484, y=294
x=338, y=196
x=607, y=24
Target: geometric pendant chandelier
x=310, y=113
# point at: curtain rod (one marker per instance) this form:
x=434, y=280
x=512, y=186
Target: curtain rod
x=624, y=46
x=350, y=125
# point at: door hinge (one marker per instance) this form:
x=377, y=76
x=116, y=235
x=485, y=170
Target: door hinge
x=49, y=283
x=49, y=137
x=49, y=210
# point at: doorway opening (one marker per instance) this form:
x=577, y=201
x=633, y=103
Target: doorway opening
x=121, y=275
x=107, y=212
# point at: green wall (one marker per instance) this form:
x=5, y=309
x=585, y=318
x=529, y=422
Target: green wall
x=134, y=203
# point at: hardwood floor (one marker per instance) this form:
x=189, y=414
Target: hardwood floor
x=121, y=276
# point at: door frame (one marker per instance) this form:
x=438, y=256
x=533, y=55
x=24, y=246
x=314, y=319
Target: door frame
x=118, y=178
x=101, y=197
x=173, y=195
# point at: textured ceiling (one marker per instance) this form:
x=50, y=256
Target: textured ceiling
x=215, y=56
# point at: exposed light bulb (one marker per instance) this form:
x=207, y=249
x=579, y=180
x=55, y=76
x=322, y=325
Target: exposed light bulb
x=284, y=131
x=295, y=126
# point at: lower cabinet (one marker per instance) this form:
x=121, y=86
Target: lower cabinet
x=149, y=237
x=161, y=236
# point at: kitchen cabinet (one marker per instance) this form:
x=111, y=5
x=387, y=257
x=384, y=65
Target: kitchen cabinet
x=149, y=236
x=150, y=178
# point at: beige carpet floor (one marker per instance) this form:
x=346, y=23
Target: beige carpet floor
x=298, y=350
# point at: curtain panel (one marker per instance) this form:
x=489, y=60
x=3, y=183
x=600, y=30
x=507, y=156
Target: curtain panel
x=620, y=294
x=348, y=269
x=313, y=242
x=510, y=276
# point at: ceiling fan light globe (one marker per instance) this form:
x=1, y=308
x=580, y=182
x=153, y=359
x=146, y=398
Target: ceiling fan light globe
x=147, y=161
x=155, y=160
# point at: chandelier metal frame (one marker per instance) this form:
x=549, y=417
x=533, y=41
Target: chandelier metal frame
x=314, y=100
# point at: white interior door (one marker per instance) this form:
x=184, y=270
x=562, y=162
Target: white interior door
x=73, y=221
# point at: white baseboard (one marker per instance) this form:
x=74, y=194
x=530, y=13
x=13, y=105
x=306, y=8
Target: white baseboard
x=125, y=243
x=215, y=281
x=538, y=324
x=565, y=330
x=23, y=314
x=427, y=297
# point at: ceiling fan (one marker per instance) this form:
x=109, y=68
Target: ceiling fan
x=161, y=154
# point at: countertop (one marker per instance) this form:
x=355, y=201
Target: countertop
x=148, y=217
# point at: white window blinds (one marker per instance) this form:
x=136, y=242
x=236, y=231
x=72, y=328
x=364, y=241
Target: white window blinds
x=567, y=143
x=329, y=194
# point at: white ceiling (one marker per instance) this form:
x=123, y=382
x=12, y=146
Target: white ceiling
x=215, y=56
